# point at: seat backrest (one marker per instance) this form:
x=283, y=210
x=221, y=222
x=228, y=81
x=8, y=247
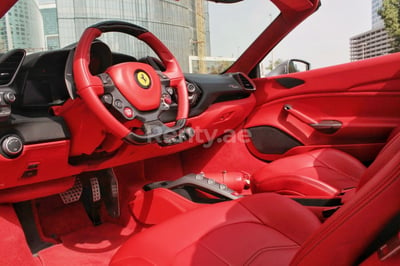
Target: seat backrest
x=384, y=155
x=343, y=238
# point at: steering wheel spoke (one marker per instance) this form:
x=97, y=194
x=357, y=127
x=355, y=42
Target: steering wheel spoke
x=115, y=101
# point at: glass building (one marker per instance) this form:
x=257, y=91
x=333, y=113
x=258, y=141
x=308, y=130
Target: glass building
x=50, y=24
x=22, y=27
x=176, y=23
x=377, y=21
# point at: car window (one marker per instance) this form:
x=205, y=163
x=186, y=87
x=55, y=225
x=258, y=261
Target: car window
x=234, y=27
x=204, y=36
x=324, y=39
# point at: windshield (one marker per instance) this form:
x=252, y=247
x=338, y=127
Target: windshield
x=204, y=36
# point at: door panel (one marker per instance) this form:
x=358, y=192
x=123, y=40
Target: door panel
x=353, y=107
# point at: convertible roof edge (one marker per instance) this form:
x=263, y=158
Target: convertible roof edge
x=5, y=6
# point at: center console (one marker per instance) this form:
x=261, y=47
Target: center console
x=162, y=200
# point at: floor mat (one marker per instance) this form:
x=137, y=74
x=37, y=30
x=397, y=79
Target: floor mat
x=88, y=246
x=57, y=219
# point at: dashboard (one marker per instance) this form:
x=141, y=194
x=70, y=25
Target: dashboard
x=46, y=133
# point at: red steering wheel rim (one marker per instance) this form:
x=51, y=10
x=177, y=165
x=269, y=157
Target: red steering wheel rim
x=90, y=87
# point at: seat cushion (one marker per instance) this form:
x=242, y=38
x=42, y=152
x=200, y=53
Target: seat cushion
x=322, y=172
x=254, y=229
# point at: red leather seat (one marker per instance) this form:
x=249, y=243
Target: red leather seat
x=230, y=233
x=270, y=229
x=322, y=172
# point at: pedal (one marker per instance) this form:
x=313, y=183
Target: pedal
x=96, y=194
x=73, y=194
x=91, y=197
x=110, y=192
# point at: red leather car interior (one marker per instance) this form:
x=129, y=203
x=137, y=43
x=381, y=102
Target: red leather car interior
x=270, y=227
x=158, y=205
x=351, y=77
x=343, y=93
x=234, y=232
x=357, y=223
x=38, y=163
x=323, y=172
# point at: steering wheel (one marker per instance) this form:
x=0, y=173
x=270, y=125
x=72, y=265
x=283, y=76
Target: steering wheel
x=132, y=90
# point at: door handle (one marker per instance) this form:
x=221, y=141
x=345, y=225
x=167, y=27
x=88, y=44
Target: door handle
x=327, y=126
x=323, y=126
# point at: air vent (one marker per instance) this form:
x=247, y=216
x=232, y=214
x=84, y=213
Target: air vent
x=9, y=65
x=246, y=83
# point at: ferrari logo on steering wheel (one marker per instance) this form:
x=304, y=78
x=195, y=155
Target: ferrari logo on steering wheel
x=142, y=79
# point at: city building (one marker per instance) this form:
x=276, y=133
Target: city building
x=22, y=27
x=50, y=23
x=377, y=21
x=181, y=25
x=372, y=43
x=375, y=42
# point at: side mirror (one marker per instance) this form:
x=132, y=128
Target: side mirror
x=297, y=65
x=290, y=66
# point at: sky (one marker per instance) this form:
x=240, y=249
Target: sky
x=323, y=39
